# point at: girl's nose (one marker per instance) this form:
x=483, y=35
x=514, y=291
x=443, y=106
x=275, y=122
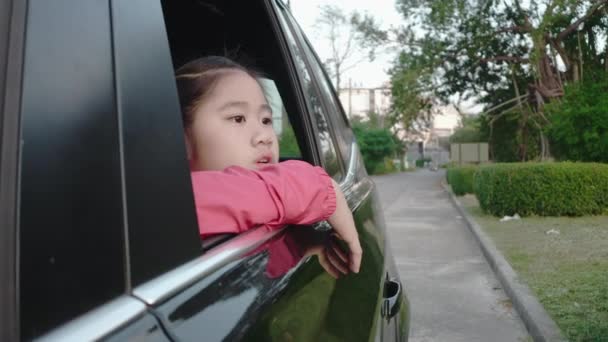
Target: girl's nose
x=263, y=135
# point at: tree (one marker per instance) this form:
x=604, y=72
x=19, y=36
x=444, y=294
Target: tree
x=353, y=38
x=469, y=132
x=579, y=127
x=512, y=56
x=375, y=145
x=412, y=108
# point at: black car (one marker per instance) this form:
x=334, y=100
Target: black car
x=98, y=232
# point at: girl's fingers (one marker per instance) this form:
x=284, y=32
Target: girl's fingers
x=339, y=252
x=327, y=266
x=336, y=261
x=355, y=254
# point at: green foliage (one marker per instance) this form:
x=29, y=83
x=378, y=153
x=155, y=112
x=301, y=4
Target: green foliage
x=568, y=273
x=375, y=145
x=288, y=144
x=470, y=131
x=410, y=82
x=494, y=51
x=421, y=162
x=579, y=129
x=387, y=166
x=466, y=135
x=514, y=137
x=461, y=179
x=503, y=146
x=545, y=189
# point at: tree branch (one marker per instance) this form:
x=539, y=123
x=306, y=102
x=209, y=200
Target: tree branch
x=594, y=8
x=349, y=41
x=505, y=59
x=562, y=53
x=516, y=28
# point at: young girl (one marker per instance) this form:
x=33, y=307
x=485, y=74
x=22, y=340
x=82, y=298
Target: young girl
x=233, y=151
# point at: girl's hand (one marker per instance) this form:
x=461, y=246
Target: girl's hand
x=331, y=257
x=344, y=227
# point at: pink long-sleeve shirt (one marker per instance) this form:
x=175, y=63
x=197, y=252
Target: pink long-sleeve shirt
x=237, y=199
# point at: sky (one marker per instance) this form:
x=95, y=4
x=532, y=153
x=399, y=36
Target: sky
x=365, y=74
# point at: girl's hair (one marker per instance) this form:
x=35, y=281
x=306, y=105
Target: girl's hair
x=197, y=78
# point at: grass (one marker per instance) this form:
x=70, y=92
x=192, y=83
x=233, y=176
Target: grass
x=568, y=272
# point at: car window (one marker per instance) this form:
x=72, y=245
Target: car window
x=252, y=49
x=344, y=134
x=288, y=144
x=12, y=26
x=72, y=240
x=331, y=162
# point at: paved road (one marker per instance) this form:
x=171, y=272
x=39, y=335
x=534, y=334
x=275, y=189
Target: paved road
x=454, y=295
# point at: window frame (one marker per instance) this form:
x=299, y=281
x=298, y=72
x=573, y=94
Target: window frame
x=12, y=34
x=340, y=120
x=83, y=270
x=168, y=223
x=226, y=248
x=297, y=35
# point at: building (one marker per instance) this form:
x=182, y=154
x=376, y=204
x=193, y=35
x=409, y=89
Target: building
x=445, y=122
x=359, y=101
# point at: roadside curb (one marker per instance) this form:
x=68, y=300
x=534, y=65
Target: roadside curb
x=538, y=322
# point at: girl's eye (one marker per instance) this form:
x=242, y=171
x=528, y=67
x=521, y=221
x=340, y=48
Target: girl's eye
x=267, y=121
x=238, y=118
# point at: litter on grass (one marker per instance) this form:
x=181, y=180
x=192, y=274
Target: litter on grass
x=510, y=218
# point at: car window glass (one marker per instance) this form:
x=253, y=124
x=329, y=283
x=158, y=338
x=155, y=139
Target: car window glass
x=343, y=132
x=330, y=157
x=288, y=144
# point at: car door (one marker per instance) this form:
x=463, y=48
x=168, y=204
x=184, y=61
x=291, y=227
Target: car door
x=395, y=308
x=356, y=185
x=261, y=284
x=12, y=25
x=80, y=230
x=359, y=189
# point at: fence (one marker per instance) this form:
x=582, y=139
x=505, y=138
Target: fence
x=470, y=153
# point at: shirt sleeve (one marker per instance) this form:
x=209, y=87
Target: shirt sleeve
x=237, y=199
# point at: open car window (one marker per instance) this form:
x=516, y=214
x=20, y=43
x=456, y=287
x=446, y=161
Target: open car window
x=188, y=23
x=288, y=144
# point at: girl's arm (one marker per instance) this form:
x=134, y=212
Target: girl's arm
x=237, y=199
x=292, y=192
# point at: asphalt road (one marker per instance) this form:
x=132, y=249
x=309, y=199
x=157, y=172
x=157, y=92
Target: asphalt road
x=454, y=295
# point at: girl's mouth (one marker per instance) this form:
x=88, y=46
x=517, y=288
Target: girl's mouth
x=264, y=160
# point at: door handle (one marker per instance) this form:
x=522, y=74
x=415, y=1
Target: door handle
x=392, y=298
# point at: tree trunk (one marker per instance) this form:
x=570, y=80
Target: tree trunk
x=523, y=144
x=575, y=73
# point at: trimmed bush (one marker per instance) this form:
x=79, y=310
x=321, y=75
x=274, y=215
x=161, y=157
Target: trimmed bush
x=421, y=162
x=461, y=179
x=545, y=189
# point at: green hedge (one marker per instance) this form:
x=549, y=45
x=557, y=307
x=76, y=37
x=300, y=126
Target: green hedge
x=461, y=179
x=545, y=189
x=421, y=162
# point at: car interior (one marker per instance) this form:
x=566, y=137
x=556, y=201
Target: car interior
x=240, y=31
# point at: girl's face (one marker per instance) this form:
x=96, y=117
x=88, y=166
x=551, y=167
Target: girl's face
x=232, y=126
